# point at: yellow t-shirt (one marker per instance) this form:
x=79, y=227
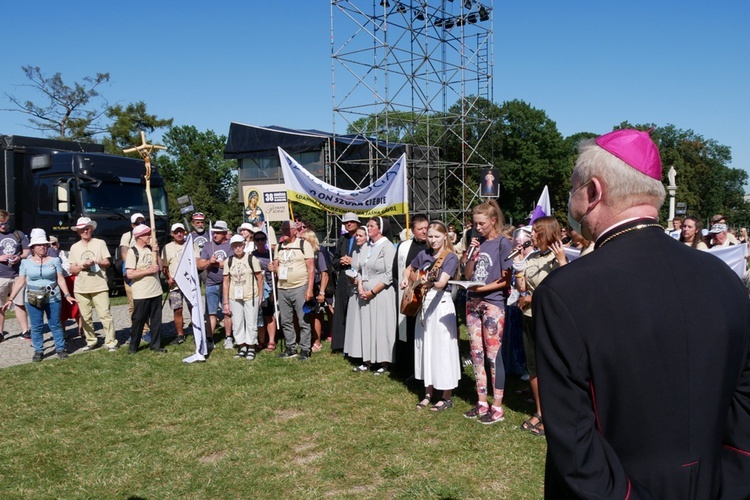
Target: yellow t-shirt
x=242, y=280
x=127, y=240
x=147, y=286
x=295, y=262
x=170, y=257
x=95, y=279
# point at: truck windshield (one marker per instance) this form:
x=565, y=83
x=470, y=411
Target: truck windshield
x=123, y=198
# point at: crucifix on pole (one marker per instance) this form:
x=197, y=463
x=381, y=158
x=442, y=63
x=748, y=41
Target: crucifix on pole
x=144, y=149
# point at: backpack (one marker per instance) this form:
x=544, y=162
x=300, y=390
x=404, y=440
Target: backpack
x=124, y=269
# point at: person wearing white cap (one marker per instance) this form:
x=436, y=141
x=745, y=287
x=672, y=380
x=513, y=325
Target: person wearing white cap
x=142, y=268
x=242, y=292
x=212, y=259
x=719, y=236
x=638, y=403
x=170, y=259
x=246, y=230
x=14, y=246
x=45, y=290
x=89, y=259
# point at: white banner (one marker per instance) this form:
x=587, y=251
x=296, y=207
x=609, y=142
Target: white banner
x=734, y=256
x=186, y=277
x=385, y=196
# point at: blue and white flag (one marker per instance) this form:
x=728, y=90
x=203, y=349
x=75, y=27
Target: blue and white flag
x=186, y=277
x=543, y=207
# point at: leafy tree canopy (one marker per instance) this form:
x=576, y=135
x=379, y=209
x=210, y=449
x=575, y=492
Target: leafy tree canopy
x=127, y=124
x=704, y=179
x=194, y=165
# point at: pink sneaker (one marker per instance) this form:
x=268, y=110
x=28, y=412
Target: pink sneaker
x=494, y=415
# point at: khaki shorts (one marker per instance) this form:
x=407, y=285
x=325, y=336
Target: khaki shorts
x=6, y=286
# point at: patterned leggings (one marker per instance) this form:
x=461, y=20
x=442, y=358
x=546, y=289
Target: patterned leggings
x=485, y=322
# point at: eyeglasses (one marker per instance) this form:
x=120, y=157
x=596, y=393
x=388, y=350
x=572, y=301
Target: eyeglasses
x=54, y=244
x=260, y=239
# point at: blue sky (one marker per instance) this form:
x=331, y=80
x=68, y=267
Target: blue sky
x=589, y=65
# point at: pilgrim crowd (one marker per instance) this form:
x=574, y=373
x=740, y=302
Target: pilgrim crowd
x=493, y=277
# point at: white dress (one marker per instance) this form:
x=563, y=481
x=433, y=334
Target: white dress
x=353, y=337
x=436, y=359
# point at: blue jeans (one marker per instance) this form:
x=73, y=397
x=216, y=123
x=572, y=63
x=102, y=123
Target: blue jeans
x=36, y=320
x=213, y=300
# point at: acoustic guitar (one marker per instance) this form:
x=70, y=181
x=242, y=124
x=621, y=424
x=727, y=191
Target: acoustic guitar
x=411, y=301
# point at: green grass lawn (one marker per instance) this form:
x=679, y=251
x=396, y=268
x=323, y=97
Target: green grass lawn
x=113, y=425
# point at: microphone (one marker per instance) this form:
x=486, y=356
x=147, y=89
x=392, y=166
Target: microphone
x=526, y=244
x=471, y=253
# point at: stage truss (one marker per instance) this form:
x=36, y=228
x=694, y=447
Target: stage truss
x=413, y=72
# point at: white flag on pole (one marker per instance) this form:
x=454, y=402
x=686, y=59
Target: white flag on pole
x=186, y=278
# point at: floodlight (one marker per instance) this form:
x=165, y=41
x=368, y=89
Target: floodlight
x=483, y=14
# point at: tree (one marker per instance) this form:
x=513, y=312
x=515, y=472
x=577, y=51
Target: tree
x=704, y=180
x=66, y=115
x=195, y=165
x=531, y=154
x=127, y=124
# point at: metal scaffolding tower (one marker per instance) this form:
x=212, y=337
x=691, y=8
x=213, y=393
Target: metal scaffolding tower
x=412, y=72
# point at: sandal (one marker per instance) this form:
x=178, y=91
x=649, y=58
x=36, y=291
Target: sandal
x=271, y=347
x=361, y=368
x=424, y=403
x=528, y=424
x=317, y=347
x=441, y=405
x=538, y=429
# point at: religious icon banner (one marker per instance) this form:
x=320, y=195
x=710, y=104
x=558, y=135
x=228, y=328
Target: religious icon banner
x=265, y=202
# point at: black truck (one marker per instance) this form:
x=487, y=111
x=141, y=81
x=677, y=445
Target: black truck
x=49, y=183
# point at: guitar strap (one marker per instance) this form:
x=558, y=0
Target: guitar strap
x=439, y=261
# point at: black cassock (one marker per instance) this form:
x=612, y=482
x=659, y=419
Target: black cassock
x=345, y=246
x=644, y=372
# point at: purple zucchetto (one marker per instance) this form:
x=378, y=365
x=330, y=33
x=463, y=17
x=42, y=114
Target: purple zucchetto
x=634, y=148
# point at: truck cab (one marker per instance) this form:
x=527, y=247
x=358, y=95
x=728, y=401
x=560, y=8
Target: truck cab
x=49, y=184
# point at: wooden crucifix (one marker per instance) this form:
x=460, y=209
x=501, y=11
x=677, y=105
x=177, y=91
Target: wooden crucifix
x=144, y=149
